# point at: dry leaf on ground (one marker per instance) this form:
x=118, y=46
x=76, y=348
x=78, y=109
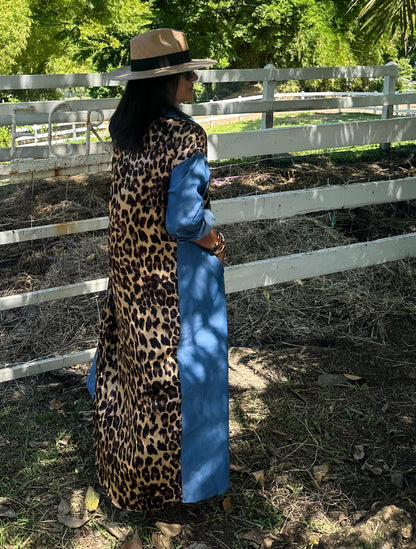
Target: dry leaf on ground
x=73, y=522
x=119, y=532
x=352, y=378
x=397, y=479
x=5, y=501
x=376, y=469
x=359, y=452
x=6, y=512
x=254, y=535
x=331, y=380
x=92, y=499
x=55, y=404
x=169, y=530
x=265, y=541
x=64, y=440
x=259, y=476
x=160, y=541
x=63, y=507
x=134, y=543
x=237, y=468
x=320, y=472
x=227, y=506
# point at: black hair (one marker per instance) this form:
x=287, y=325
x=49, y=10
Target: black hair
x=143, y=102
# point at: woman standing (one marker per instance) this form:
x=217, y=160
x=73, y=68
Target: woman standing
x=161, y=387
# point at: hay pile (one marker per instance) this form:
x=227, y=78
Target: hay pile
x=375, y=303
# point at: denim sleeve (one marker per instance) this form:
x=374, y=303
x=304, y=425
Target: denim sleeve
x=186, y=215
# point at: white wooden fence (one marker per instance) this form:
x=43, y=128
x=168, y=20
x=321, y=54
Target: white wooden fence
x=34, y=162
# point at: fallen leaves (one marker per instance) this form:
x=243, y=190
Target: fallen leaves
x=227, y=506
x=64, y=441
x=117, y=531
x=352, y=377
x=134, y=543
x=321, y=473
x=332, y=380
x=57, y=405
x=259, y=478
x=359, y=452
x=264, y=540
x=397, y=479
x=63, y=507
x=90, y=503
x=6, y=511
x=169, y=530
x=159, y=541
x=73, y=522
x=377, y=468
x=92, y=499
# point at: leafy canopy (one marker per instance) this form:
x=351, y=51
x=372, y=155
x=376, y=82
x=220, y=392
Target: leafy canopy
x=52, y=36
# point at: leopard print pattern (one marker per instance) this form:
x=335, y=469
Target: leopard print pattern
x=137, y=403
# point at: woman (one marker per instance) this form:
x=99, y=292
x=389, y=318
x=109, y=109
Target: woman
x=161, y=389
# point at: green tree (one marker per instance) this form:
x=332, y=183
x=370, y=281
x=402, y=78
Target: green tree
x=388, y=16
x=14, y=32
x=107, y=46
x=55, y=29
x=287, y=33
x=51, y=36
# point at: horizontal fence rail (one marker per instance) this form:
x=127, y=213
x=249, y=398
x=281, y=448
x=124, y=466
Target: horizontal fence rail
x=303, y=138
x=34, y=367
x=229, y=145
x=39, y=81
x=254, y=208
x=258, y=273
x=77, y=109
x=319, y=262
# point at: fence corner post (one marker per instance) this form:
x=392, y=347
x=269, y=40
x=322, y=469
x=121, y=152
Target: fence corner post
x=268, y=95
x=389, y=87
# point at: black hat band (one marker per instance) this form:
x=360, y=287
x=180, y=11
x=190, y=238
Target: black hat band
x=161, y=61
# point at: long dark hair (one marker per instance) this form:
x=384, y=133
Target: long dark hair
x=143, y=102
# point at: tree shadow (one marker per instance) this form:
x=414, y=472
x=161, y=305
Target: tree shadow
x=303, y=436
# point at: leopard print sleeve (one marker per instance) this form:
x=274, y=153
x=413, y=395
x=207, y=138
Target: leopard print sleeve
x=189, y=139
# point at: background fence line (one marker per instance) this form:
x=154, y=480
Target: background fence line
x=37, y=161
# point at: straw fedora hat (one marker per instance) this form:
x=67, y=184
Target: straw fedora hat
x=158, y=53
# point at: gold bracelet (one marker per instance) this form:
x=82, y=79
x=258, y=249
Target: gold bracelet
x=220, y=250
x=219, y=244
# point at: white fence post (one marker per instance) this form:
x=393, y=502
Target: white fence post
x=389, y=87
x=268, y=95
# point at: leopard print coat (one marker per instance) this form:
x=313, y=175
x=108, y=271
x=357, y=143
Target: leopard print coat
x=137, y=401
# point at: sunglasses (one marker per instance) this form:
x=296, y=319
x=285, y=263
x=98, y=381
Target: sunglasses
x=188, y=75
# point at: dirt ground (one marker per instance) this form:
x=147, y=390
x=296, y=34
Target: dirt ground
x=322, y=371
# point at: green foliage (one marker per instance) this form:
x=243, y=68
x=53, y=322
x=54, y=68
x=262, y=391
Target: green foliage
x=104, y=92
x=14, y=32
x=64, y=36
x=107, y=46
x=5, y=136
x=405, y=68
x=390, y=17
x=405, y=74
x=287, y=33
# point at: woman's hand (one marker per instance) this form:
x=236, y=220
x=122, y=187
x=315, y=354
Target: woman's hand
x=214, y=243
x=221, y=257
